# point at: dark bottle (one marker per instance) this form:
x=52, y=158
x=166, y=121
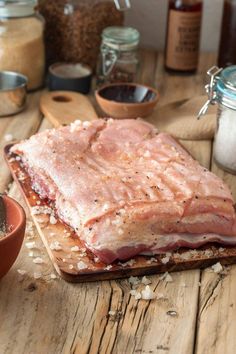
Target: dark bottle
x=183, y=35
x=227, y=52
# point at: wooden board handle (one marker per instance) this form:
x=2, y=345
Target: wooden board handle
x=64, y=107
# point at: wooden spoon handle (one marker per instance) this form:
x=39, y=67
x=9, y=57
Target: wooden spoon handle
x=64, y=107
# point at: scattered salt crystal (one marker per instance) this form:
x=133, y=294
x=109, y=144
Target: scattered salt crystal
x=8, y=137
x=36, y=210
x=137, y=295
x=38, y=202
x=147, y=293
x=17, y=158
x=30, y=245
x=71, y=266
x=74, y=249
x=86, y=124
x=165, y=260
x=112, y=313
x=167, y=277
x=217, y=268
x=96, y=260
x=120, y=232
x=38, y=260
x=81, y=265
x=151, y=260
x=108, y=267
x=52, y=220
x=134, y=281
x=146, y=281
x=105, y=207
x=147, y=154
x=31, y=254
x=21, y=271
x=53, y=276
x=130, y=263
x=37, y=275
x=221, y=249
x=55, y=246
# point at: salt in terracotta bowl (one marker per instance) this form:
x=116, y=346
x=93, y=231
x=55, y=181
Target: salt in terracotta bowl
x=127, y=100
x=10, y=244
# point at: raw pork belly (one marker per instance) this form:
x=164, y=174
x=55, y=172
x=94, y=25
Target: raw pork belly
x=127, y=190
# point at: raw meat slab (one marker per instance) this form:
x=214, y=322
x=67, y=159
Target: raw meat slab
x=64, y=259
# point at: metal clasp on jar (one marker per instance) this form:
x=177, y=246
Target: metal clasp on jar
x=122, y=5
x=213, y=72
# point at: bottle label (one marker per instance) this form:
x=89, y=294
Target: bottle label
x=183, y=40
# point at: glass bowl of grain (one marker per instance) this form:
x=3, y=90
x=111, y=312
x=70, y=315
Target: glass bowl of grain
x=11, y=233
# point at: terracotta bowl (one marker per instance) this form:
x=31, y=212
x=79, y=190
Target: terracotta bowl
x=127, y=100
x=10, y=244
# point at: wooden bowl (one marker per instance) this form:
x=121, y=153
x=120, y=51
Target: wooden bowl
x=127, y=100
x=10, y=244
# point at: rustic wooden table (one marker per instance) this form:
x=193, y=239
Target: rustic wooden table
x=51, y=316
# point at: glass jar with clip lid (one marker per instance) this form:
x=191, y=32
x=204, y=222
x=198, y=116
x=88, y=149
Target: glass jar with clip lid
x=21, y=40
x=118, y=60
x=222, y=91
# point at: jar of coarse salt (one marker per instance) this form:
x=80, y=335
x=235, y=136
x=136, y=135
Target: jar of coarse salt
x=222, y=91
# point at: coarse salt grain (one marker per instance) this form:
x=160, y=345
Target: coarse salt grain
x=31, y=254
x=147, y=293
x=74, y=249
x=217, y=268
x=86, y=124
x=151, y=260
x=146, y=281
x=134, y=281
x=37, y=275
x=8, y=137
x=111, y=313
x=30, y=245
x=55, y=246
x=53, y=276
x=21, y=271
x=81, y=265
x=167, y=277
x=52, y=220
x=108, y=267
x=38, y=260
x=137, y=295
x=147, y=154
x=120, y=232
x=71, y=266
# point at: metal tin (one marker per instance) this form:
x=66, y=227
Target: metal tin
x=70, y=77
x=13, y=92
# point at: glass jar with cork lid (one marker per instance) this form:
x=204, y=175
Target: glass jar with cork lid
x=222, y=91
x=21, y=40
x=118, y=60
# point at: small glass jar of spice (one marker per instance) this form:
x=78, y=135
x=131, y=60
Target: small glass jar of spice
x=222, y=91
x=118, y=61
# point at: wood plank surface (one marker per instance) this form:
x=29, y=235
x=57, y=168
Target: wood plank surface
x=52, y=316
x=217, y=302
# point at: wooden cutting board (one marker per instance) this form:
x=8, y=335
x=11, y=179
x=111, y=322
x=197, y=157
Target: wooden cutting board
x=79, y=265
x=64, y=107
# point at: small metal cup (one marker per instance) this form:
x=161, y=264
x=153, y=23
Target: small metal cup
x=13, y=91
